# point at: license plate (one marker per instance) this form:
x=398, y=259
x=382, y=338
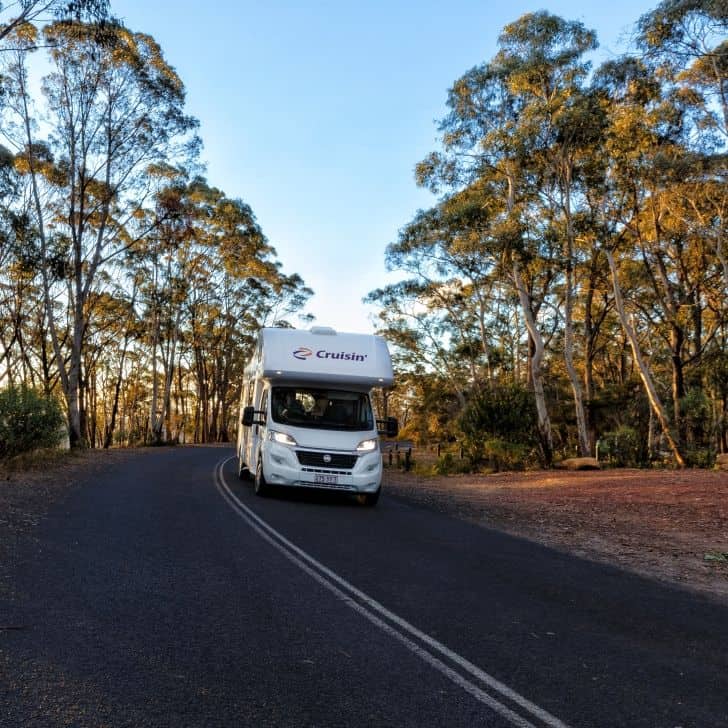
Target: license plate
x=325, y=479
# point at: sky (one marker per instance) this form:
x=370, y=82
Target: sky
x=315, y=114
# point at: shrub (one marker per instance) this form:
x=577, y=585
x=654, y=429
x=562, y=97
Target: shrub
x=28, y=420
x=504, y=455
x=700, y=457
x=500, y=424
x=447, y=464
x=697, y=414
x=620, y=447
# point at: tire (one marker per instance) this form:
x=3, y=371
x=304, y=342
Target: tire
x=261, y=486
x=369, y=499
x=243, y=471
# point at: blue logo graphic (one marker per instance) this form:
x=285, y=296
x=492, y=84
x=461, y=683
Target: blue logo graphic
x=302, y=353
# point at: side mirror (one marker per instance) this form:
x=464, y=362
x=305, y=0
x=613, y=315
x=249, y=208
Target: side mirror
x=248, y=416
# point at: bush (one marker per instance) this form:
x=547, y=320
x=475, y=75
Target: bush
x=504, y=455
x=700, y=457
x=28, y=420
x=620, y=447
x=447, y=464
x=500, y=424
x=698, y=421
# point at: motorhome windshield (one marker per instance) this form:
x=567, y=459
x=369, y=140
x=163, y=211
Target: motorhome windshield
x=330, y=409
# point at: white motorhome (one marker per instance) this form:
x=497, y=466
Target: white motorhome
x=306, y=414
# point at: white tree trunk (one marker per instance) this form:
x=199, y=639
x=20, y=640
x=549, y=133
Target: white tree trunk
x=544, y=422
x=584, y=446
x=644, y=371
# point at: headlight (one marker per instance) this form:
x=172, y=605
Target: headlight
x=367, y=445
x=281, y=437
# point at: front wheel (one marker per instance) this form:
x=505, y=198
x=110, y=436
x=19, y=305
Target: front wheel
x=243, y=472
x=369, y=499
x=261, y=486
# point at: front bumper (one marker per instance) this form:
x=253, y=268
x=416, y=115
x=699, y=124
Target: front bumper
x=281, y=467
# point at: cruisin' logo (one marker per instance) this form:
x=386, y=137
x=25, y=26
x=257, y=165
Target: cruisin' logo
x=303, y=353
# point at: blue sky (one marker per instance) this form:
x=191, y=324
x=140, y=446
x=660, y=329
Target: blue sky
x=315, y=113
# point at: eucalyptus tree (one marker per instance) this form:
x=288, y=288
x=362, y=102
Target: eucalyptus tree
x=11, y=232
x=265, y=297
x=228, y=283
x=630, y=188
x=514, y=124
x=425, y=323
x=15, y=15
x=160, y=262
x=20, y=305
x=433, y=370
x=115, y=108
x=686, y=45
x=126, y=329
x=542, y=61
x=453, y=275
x=688, y=40
x=220, y=306
x=674, y=174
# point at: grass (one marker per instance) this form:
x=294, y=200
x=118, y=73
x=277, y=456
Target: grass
x=38, y=460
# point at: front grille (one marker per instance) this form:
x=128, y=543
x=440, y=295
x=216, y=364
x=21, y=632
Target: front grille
x=328, y=486
x=316, y=459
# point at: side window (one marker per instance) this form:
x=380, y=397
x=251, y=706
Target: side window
x=264, y=402
x=251, y=387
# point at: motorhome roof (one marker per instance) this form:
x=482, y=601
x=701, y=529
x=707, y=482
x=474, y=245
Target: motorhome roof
x=323, y=355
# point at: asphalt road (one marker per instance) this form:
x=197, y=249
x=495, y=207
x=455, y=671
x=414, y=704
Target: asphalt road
x=168, y=594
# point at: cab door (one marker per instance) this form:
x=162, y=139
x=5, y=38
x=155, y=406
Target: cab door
x=242, y=431
x=246, y=432
x=255, y=433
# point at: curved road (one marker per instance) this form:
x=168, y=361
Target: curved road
x=167, y=594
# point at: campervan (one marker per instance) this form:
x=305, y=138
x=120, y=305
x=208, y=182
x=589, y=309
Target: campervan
x=306, y=413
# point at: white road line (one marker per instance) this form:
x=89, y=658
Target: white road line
x=339, y=586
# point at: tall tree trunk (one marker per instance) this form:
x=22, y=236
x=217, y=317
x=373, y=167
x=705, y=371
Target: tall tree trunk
x=583, y=434
x=677, y=340
x=155, y=419
x=71, y=395
x=644, y=372
x=169, y=364
x=111, y=424
x=74, y=400
x=544, y=422
x=182, y=402
x=584, y=446
x=591, y=332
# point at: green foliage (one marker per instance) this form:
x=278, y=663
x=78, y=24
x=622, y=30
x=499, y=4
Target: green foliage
x=434, y=408
x=28, y=420
x=448, y=464
x=700, y=428
x=697, y=416
x=700, y=457
x=503, y=454
x=620, y=447
x=499, y=424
